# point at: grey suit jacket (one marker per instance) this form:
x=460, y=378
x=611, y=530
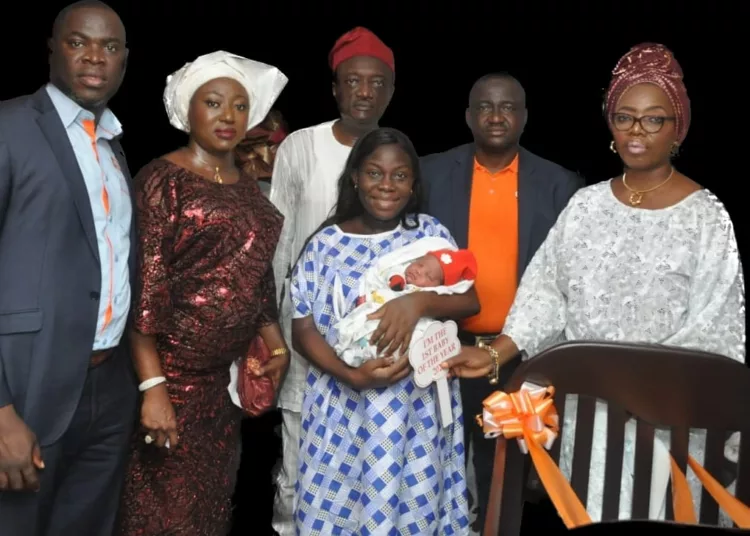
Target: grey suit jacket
x=544, y=189
x=50, y=276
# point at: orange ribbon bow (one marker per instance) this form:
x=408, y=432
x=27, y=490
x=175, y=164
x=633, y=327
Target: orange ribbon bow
x=529, y=411
x=530, y=417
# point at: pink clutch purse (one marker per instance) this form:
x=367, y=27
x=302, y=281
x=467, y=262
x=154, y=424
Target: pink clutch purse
x=256, y=392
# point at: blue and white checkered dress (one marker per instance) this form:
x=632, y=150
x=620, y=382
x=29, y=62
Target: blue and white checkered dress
x=373, y=462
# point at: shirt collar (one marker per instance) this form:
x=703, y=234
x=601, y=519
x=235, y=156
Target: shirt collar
x=510, y=168
x=70, y=111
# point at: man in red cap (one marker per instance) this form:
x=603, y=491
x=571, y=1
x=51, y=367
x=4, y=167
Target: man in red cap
x=304, y=188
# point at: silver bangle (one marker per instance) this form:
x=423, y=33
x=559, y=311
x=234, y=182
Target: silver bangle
x=151, y=382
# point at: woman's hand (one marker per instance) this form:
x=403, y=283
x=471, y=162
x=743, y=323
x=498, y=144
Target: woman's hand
x=472, y=362
x=277, y=366
x=398, y=318
x=380, y=372
x=275, y=369
x=158, y=416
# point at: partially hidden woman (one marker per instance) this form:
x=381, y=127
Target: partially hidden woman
x=207, y=237
x=256, y=153
x=374, y=458
x=649, y=256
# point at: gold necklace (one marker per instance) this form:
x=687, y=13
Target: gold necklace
x=636, y=196
x=217, y=175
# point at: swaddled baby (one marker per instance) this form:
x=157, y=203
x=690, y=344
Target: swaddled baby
x=429, y=264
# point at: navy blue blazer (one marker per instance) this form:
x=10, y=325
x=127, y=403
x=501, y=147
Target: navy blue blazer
x=50, y=276
x=544, y=189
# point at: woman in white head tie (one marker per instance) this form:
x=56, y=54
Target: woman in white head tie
x=207, y=238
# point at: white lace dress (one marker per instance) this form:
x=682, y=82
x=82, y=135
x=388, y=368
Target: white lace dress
x=611, y=272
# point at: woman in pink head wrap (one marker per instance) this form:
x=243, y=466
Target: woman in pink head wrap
x=648, y=112
x=649, y=257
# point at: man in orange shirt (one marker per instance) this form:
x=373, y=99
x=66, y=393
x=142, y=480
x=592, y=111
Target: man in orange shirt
x=500, y=201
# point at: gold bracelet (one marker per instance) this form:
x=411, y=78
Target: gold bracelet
x=279, y=351
x=494, y=375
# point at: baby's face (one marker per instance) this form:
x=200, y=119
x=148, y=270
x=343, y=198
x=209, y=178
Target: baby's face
x=424, y=272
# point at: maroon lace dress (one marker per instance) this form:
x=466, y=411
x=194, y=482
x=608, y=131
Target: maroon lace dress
x=206, y=286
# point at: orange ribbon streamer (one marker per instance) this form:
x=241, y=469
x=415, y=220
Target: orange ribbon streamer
x=684, y=509
x=682, y=500
x=530, y=417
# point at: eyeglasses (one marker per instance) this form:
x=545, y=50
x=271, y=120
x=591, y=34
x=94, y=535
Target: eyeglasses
x=649, y=123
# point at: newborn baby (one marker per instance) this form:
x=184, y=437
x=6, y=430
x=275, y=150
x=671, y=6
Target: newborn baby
x=426, y=271
x=429, y=264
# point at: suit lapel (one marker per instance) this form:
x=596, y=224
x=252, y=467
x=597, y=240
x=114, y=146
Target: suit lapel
x=526, y=206
x=122, y=161
x=53, y=129
x=460, y=183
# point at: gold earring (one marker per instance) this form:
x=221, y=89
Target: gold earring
x=675, y=149
x=612, y=146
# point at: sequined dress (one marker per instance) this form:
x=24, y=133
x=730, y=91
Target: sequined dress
x=206, y=285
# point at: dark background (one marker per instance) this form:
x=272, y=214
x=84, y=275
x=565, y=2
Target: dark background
x=562, y=52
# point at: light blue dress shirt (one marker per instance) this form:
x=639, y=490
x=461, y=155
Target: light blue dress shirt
x=106, y=185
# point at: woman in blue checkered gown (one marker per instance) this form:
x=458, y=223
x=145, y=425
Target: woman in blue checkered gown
x=374, y=459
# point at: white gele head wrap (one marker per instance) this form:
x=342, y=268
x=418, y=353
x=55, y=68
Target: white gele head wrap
x=262, y=82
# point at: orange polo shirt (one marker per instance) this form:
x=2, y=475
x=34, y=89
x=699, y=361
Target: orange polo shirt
x=493, y=238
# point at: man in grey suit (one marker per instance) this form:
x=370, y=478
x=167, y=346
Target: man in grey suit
x=500, y=201
x=67, y=390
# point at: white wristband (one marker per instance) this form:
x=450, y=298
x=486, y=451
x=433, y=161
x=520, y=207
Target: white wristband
x=151, y=382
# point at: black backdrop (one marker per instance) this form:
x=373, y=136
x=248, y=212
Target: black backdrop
x=562, y=52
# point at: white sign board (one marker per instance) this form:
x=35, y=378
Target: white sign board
x=438, y=344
